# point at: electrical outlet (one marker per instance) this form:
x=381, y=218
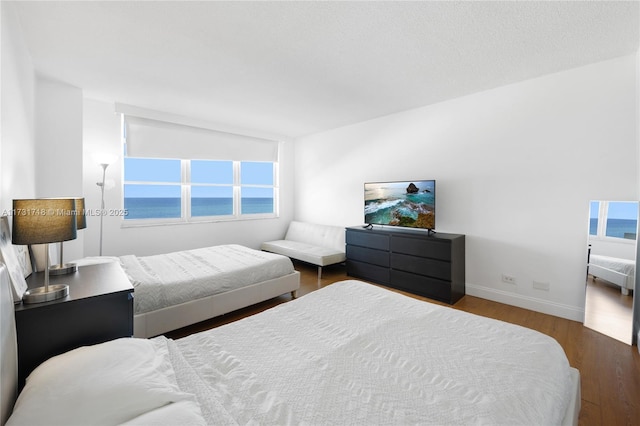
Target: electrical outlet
x=509, y=279
x=541, y=285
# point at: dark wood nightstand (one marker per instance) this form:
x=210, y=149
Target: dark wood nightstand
x=99, y=307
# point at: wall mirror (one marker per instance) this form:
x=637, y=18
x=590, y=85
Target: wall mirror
x=610, y=279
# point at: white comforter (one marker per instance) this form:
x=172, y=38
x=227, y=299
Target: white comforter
x=623, y=266
x=353, y=353
x=170, y=279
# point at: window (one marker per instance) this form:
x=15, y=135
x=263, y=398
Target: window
x=211, y=188
x=160, y=190
x=613, y=219
x=594, y=212
x=152, y=188
x=622, y=220
x=257, y=187
x=173, y=170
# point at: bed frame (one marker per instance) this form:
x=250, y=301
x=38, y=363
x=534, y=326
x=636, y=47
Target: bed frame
x=610, y=275
x=160, y=321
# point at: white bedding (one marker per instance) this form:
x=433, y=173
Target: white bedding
x=353, y=353
x=623, y=266
x=170, y=279
x=617, y=271
x=350, y=353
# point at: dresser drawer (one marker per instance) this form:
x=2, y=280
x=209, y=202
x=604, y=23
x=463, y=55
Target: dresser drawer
x=419, y=265
x=368, y=239
x=367, y=271
x=363, y=254
x=431, y=248
x=424, y=286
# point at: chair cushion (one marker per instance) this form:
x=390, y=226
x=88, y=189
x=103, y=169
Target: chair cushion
x=316, y=255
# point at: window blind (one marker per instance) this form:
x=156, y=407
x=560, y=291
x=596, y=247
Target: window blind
x=150, y=138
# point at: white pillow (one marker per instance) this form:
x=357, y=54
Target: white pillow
x=104, y=384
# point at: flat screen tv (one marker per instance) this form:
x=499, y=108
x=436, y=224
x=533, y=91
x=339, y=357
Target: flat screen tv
x=409, y=204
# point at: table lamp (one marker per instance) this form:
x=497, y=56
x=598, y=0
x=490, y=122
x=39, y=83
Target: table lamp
x=81, y=223
x=44, y=221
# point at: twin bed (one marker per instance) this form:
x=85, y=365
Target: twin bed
x=349, y=353
x=177, y=289
x=621, y=272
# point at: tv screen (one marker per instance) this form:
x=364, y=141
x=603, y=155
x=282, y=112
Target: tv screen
x=410, y=204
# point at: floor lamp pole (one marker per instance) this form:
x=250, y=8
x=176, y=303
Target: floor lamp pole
x=101, y=185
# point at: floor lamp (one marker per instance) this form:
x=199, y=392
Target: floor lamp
x=44, y=221
x=102, y=212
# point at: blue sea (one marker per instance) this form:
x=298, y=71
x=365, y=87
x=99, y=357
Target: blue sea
x=166, y=208
x=619, y=228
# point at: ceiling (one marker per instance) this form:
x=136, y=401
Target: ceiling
x=295, y=68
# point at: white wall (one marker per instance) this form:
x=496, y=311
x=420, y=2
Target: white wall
x=58, y=139
x=102, y=134
x=17, y=137
x=515, y=167
x=58, y=130
x=625, y=249
x=41, y=129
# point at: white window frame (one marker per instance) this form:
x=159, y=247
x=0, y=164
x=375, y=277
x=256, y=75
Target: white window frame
x=601, y=234
x=185, y=195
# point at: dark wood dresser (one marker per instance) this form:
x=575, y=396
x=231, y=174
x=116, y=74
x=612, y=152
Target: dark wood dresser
x=430, y=265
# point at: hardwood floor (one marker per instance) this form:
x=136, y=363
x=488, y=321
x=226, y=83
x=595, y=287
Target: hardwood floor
x=608, y=311
x=609, y=369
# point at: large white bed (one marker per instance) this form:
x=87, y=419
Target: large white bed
x=173, y=290
x=621, y=272
x=350, y=353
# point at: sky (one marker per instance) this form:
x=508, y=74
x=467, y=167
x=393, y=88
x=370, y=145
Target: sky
x=617, y=210
x=202, y=171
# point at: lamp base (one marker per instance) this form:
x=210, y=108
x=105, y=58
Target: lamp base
x=65, y=268
x=40, y=294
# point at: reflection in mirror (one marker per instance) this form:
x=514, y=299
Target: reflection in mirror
x=613, y=226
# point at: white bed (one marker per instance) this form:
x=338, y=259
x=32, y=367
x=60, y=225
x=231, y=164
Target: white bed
x=177, y=289
x=350, y=353
x=620, y=272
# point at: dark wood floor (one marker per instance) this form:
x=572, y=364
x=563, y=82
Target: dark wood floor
x=610, y=369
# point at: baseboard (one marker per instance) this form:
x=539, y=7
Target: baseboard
x=561, y=310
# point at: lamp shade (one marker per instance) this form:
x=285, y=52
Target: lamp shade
x=43, y=221
x=81, y=219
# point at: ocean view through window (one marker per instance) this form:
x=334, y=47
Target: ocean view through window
x=614, y=219
x=256, y=187
x=165, y=189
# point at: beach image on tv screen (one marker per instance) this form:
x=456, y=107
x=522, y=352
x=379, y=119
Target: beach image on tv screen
x=410, y=204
